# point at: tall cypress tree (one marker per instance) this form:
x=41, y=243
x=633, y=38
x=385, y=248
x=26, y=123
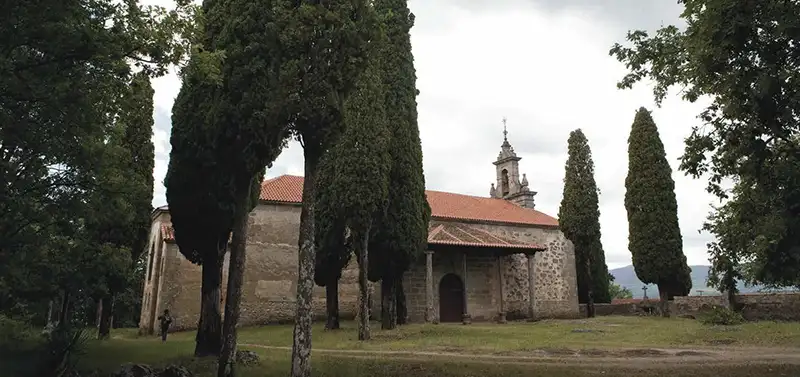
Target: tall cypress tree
x=358, y=192
x=401, y=236
x=197, y=199
x=579, y=219
x=654, y=236
x=319, y=69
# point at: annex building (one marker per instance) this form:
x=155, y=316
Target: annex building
x=488, y=259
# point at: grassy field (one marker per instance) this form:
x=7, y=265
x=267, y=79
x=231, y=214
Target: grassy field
x=503, y=341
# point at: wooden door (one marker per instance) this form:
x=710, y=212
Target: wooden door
x=451, y=298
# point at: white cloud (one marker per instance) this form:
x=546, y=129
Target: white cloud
x=547, y=69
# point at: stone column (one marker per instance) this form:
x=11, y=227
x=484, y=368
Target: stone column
x=466, y=317
x=429, y=317
x=531, y=286
x=501, y=315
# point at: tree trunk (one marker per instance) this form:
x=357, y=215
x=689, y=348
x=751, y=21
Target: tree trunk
x=233, y=298
x=51, y=313
x=732, y=300
x=106, y=315
x=98, y=312
x=400, y=302
x=363, y=286
x=589, y=289
x=388, y=310
x=663, y=303
x=64, y=315
x=332, y=304
x=301, y=342
x=208, y=341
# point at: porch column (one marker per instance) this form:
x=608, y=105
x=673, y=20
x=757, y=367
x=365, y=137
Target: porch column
x=501, y=315
x=429, y=317
x=531, y=285
x=466, y=316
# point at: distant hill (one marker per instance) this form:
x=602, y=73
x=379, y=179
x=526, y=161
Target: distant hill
x=626, y=277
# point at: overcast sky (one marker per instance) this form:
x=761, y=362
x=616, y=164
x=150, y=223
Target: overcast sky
x=544, y=65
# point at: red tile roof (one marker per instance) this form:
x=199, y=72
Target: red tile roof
x=444, y=205
x=465, y=235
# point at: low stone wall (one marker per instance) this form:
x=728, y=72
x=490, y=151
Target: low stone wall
x=783, y=306
x=612, y=309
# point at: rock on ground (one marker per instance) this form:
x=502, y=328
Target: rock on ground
x=142, y=370
x=135, y=370
x=247, y=358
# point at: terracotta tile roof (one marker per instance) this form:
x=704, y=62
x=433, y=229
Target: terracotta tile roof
x=465, y=235
x=444, y=205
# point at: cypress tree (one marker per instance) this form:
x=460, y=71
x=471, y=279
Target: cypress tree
x=202, y=226
x=654, y=236
x=579, y=219
x=401, y=236
x=332, y=243
x=318, y=71
x=358, y=191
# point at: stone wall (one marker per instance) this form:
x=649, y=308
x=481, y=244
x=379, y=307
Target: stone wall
x=268, y=294
x=482, y=285
x=270, y=280
x=555, y=280
x=612, y=309
x=555, y=284
x=754, y=306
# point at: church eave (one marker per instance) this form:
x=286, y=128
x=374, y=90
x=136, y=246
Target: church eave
x=495, y=222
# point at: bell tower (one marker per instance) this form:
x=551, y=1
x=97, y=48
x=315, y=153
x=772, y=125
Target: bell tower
x=509, y=186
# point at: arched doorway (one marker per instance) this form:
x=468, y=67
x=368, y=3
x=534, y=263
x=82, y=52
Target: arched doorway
x=451, y=298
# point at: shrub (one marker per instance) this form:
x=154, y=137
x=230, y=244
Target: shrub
x=721, y=316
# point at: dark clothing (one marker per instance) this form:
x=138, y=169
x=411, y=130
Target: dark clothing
x=165, y=320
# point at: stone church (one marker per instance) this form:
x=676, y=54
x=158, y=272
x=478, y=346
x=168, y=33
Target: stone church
x=488, y=259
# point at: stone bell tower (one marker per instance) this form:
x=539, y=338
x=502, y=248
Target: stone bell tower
x=509, y=186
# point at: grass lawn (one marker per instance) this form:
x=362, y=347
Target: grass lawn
x=492, y=339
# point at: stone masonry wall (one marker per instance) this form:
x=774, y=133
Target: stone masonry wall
x=270, y=280
x=555, y=285
x=482, y=285
x=555, y=280
x=755, y=306
x=268, y=294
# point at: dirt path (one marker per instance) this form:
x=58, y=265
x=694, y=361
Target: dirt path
x=628, y=357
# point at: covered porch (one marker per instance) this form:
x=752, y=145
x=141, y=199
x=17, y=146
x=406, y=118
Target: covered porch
x=471, y=273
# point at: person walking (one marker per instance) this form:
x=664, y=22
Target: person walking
x=165, y=320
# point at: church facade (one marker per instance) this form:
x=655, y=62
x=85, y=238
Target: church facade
x=488, y=259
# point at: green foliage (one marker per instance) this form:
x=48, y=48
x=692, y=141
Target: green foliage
x=579, y=219
x=616, y=291
x=65, y=96
x=741, y=56
x=353, y=189
x=401, y=235
x=25, y=352
x=721, y=316
x=654, y=236
x=336, y=35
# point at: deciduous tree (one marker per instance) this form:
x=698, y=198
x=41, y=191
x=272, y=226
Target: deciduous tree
x=742, y=57
x=654, y=235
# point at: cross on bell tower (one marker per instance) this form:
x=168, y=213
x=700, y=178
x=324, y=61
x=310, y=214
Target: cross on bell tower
x=509, y=186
